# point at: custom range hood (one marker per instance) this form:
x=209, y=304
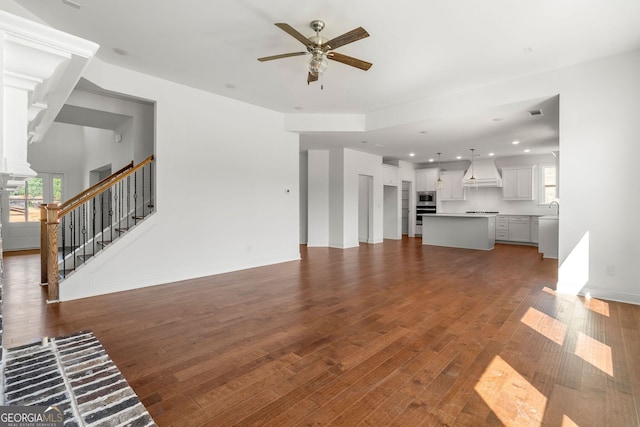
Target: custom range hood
x=485, y=172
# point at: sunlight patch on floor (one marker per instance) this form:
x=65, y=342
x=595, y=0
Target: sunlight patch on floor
x=595, y=353
x=545, y=325
x=509, y=395
x=597, y=306
x=568, y=422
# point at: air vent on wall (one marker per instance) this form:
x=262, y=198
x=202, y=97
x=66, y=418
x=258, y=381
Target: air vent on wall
x=534, y=113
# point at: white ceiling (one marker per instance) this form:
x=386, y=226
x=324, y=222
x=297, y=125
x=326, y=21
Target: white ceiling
x=418, y=48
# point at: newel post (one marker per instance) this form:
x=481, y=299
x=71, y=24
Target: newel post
x=52, y=250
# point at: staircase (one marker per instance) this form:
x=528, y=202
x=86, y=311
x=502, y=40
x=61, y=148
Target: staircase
x=78, y=229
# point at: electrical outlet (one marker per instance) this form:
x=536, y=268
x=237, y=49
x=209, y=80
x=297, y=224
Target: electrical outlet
x=611, y=270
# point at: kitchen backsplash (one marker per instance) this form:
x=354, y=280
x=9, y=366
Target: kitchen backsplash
x=490, y=199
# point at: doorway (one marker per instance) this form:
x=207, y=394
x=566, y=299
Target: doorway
x=97, y=175
x=406, y=190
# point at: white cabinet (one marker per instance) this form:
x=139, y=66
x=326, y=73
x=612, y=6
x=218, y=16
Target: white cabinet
x=548, y=236
x=390, y=175
x=519, y=228
x=517, y=183
x=426, y=179
x=502, y=227
x=452, y=188
x=534, y=229
x=516, y=228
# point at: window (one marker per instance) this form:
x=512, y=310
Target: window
x=24, y=203
x=548, y=184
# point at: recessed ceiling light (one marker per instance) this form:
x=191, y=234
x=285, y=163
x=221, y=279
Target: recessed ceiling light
x=364, y=142
x=458, y=157
x=412, y=154
x=526, y=150
x=297, y=107
x=431, y=160
x=492, y=154
x=231, y=86
x=121, y=52
x=534, y=113
x=516, y=142
x=424, y=131
x=379, y=145
x=498, y=119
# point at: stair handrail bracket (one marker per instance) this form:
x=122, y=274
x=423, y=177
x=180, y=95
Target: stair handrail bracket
x=74, y=231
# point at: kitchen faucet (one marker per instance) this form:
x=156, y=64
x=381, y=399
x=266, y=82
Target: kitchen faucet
x=557, y=205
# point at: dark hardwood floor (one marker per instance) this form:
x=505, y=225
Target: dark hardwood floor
x=387, y=334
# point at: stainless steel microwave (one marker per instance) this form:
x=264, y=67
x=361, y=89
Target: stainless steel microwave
x=426, y=197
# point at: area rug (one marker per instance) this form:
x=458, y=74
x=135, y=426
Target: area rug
x=75, y=375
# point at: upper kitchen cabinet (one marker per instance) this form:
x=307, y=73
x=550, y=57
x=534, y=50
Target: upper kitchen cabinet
x=426, y=179
x=517, y=183
x=390, y=175
x=452, y=188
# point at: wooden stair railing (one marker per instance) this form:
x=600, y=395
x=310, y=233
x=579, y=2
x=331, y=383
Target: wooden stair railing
x=51, y=215
x=94, y=189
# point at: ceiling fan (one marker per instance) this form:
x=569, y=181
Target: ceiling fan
x=322, y=49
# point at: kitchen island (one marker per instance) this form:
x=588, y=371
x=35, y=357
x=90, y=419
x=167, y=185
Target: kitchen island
x=459, y=230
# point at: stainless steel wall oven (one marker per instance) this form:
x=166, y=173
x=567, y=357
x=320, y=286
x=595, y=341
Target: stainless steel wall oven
x=425, y=204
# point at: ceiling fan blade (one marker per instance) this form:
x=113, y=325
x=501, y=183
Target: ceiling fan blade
x=311, y=78
x=294, y=33
x=346, y=38
x=284, y=55
x=354, y=62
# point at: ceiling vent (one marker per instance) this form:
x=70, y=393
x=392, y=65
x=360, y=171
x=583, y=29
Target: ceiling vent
x=534, y=113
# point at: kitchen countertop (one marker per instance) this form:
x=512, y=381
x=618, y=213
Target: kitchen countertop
x=463, y=215
x=466, y=214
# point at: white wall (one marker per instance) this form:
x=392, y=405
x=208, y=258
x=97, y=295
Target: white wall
x=222, y=200
x=392, y=225
x=136, y=130
x=365, y=196
x=318, y=198
x=336, y=199
x=600, y=131
x=304, y=192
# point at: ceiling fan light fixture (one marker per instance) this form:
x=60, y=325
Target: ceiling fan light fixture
x=322, y=49
x=317, y=64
